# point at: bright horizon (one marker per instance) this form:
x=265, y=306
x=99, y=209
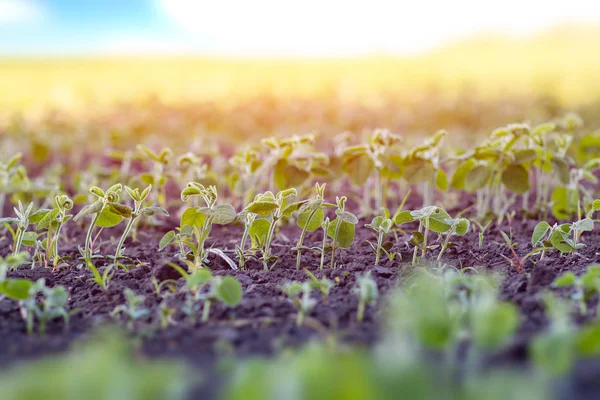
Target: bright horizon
x=268, y=28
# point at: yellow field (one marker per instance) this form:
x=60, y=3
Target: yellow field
x=563, y=62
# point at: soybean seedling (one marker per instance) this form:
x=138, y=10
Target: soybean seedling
x=20, y=235
x=431, y=218
x=367, y=293
x=11, y=261
x=133, y=310
x=134, y=214
x=36, y=300
x=201, y=220
x=310, y=216
x=203, y=286
x=341, y=229
x=104, y=216
x=157, y=177
x=53, y=221
x=7, y=171
x=269, y=209
x=584, y=286
x=382, y=226
x=248, y=219
x=299, y=295
x=458, y=226
x=563, y=237
x=323, y=285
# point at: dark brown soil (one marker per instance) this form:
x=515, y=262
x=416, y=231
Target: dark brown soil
x=265, y=320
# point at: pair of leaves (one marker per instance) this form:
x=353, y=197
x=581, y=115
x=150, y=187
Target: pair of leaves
x=221, y=214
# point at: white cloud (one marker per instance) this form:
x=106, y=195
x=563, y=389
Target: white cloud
x=16, y=12
x=354, y=26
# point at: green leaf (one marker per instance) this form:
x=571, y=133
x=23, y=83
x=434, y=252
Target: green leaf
x=516, y=179
x=347, y=217
x=93, y=208
x=191, y=217
x=564, y=202
x=562, y=168
x=345, y=234
x=554, y=351
x=153, y=210
x=198, y=278
x=358, y=167
x=29, y=238
x=262, y=207
x=558, y=238
x=439, y=221
x=441, y=180
x=9, y=221
x=16, y=289
x=462, y=226
x=120, y=209
x=477, y=178
x=524, y=156
x=418, y=170
x=458, y=179
x=108, y=219
x=403, y=217
x=588, y=341
x=223, y=214
x=539, y=232
x=259, y=230
x=585, y=225
x=37, y=216
x=493, y=324
x=229, y=291
x=315, y=221
x=565, y=280
x=166, y=239
x=48, y=219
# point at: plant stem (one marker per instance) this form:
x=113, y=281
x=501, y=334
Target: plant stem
x=424, y=248
x=415, y=251
x=378, y=252
x=323, y=247
x=361, y=311
x=301, y=240
x=267, y=247
x=335, y=236
x=19, y=240
x=124, y=236
x=206, y=310
x=88, y=236
x=299, y=318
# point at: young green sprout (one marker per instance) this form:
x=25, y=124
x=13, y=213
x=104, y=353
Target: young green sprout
x=563, y=237
x=133, y=309
x=201, y=285
x=382, y=227
x=8, y=171
x=157, y=177
x=299, y=295
x=36, y=300
x=584, y=286
x=104, y=216
x=201, y=220
x=431, y=218
x=367, y=293
x=341, y=229
x=269, y=209
x=310, y=216
x=240, y=250
x=53, y=221
x=20, y=235
x=11, y=261
x=134, y=214
x=323, y=285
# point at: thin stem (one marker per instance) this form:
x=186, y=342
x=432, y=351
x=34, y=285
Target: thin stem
x=19, y=240
x=124, y=236
x=88, y=236
x=378, y=252
x=206, y=310
x=301, y=240
x=361, y=311
x=415, y=251
x=424, y=248
x=333, y=244
x=323, y=247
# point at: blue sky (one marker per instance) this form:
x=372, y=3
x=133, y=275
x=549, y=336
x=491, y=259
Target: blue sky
x=267, y=27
